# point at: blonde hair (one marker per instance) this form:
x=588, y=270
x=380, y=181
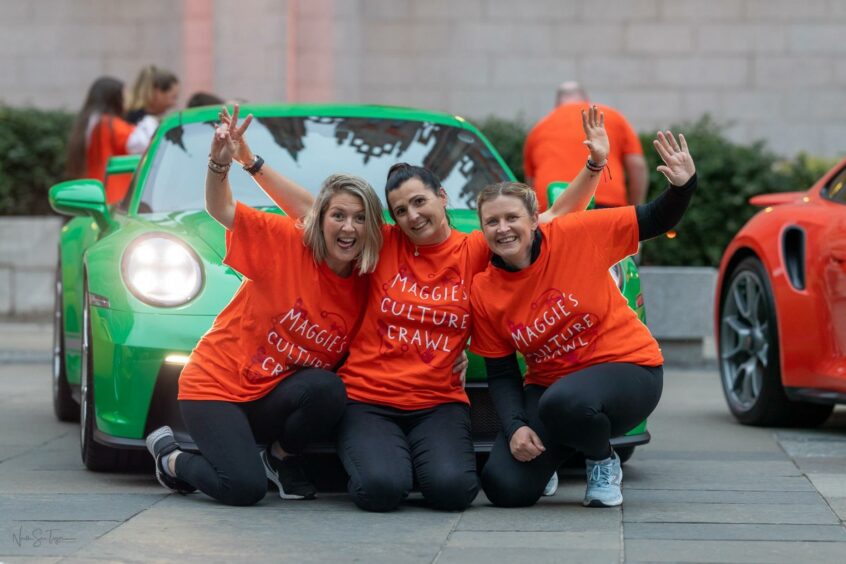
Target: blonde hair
x=149, y=79
x=312, y=223
x=522, y=192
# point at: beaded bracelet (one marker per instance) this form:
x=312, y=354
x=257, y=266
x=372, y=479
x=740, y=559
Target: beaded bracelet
x=219, y=168
x=595, y=167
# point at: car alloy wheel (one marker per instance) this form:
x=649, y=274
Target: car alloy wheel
x=749, y=354
x=744, y=343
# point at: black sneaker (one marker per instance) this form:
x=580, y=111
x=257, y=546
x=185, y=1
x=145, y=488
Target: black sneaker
x=161, y=442
x=288, y=475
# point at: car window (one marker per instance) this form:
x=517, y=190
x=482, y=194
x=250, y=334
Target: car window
x=308, y=149
x=836, y=189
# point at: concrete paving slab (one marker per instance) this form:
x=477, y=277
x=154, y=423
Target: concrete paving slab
x=821, y=465
x=31, y=559
x=733, y=551
x=734, y=531
x=545, y=516
x=70, y=507
x=645, y=512
x=830, y=485
x=838, y=505
x=530, y=540
x=538, y=555
x=648, y=453
x=638, y=496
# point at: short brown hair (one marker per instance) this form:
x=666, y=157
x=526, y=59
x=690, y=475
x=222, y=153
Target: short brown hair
x=522, y=192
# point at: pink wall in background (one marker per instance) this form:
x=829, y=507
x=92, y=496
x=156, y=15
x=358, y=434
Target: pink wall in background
x=197, y=47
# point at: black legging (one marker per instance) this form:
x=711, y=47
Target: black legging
x=384, y=448
x=303, y=408
x=580, y=412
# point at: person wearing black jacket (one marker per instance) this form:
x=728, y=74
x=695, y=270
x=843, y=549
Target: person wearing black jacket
x=594, y=370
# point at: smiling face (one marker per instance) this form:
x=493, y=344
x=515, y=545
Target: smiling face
x=419, y=212
x=343, y=232
x=509, y=229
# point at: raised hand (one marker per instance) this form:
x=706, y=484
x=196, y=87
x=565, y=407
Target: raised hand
x=235, y=134
x=593, y=122
x=678, y=165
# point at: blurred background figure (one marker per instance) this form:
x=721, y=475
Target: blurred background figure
x=203, y=99
x=99, y=133
x=155, y=92
x=554, y=151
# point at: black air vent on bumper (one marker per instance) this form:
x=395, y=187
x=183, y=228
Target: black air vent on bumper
x=793, y=250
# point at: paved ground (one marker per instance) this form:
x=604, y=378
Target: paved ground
x=705, y=490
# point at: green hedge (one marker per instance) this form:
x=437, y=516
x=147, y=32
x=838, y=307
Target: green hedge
x=32, y=157
x=729, y=174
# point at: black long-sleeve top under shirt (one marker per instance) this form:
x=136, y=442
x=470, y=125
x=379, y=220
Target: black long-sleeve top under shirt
x=654, y=218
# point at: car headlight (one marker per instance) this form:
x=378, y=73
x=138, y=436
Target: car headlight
x=618, y=276
x=161, y=270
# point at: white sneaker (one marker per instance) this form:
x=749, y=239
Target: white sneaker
x=604, y=481
x=551, y=485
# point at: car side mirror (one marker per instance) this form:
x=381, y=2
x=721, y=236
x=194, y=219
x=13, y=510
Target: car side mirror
x=82, y=197
x=557, y=188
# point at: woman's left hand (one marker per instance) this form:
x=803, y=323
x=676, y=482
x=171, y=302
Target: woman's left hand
x=460, y=365
x=678, y=165
x=593, y=122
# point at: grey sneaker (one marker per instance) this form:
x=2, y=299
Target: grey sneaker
x=161, y=442
x=551, y=485
x=604, y=480
x=288, y=475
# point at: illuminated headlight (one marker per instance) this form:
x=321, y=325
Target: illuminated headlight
x=617, y=275
x=161, y=270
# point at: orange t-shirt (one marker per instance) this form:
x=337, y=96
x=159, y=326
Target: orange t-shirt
x=108, y=138
x=288, y=314
x=564, y=312
x=554, y=152
x=416, y=324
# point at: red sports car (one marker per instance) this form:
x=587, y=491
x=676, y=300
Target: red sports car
x=780, y=316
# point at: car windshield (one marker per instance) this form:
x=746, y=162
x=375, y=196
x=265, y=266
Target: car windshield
x=308, y=149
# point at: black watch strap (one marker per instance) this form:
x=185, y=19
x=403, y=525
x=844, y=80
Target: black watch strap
x=256, y=166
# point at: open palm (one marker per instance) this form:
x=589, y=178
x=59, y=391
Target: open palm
x=678, y=164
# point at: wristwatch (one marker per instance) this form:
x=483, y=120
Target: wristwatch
x=255, y=166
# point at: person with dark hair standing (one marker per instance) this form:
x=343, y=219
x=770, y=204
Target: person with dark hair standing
x=594, y=370
x=155, y=92
x=408, y=416
x=203, y=99
x=100, y=133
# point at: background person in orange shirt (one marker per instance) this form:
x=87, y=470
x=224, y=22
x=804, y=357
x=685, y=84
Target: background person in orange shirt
x=554, y=151
x=594, y=370
x=408, y=414
x=99, y=133
x=263, y=372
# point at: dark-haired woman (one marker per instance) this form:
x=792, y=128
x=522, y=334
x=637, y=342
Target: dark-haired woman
x=408, y=416
x=594, y=370
x=100, y=133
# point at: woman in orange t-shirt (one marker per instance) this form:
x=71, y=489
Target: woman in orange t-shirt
x=263, y=372
x=594, y=370
x=408, y=414
x=99, y=133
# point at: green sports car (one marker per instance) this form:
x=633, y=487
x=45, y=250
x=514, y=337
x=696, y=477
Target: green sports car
x=139, y=283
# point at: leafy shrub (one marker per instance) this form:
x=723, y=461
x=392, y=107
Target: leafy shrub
x=32, y=157
x=729, y=174
x=508, y=137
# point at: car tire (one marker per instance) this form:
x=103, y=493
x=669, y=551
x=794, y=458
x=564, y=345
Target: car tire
x=750, y=370
x=64, y=406
x=95, y=456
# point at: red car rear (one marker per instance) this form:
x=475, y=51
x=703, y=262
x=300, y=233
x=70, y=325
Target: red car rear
x=780, y=316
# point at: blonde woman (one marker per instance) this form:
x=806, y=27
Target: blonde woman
x=264, y=371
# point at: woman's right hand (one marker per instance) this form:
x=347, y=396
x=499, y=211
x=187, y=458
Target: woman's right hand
x=525, y=444
x=243, y=155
